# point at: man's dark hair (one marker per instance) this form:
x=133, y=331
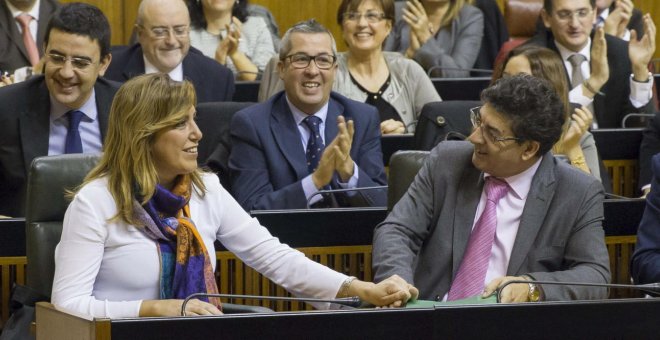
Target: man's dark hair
x=82, y=19
x=547, y=5
x=198, y=21
x=532, y=105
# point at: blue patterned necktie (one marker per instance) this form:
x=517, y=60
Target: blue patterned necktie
x=73, y=142
x=315, y=144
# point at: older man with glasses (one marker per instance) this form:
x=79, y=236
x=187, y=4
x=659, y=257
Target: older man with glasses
x=63, y=111
x=163, y=28
x=306, y=138
x=499, y=208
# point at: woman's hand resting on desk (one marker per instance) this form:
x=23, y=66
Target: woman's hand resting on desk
x=391, y=292
x=172, y=307
x=392, y=127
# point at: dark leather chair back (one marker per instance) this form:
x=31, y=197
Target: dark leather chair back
x=48, y=180
x=404, y=166
x=443, y=120
x=213, y=120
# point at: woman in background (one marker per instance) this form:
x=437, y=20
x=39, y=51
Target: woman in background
x=576, y=143
x=223, y=30
x=138, y=236
x=444, y=36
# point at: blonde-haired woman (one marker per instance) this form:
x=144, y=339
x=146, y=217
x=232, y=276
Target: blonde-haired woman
x=444, y=36
x=138, y=236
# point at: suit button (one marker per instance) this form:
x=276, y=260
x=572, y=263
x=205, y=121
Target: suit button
x=438, y=298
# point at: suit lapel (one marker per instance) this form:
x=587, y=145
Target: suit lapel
x=540, y=195
x=46, y=10
x=468, y=196
x=9, y=24
x=286, y=135
x=103, y=103
x=335, y=109
x=135, y=64
x=34, y=126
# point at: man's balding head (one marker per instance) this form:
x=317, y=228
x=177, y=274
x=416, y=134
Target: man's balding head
x=163, y=28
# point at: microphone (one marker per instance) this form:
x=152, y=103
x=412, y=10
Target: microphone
x=608, y=195
x=438, y=67
x=334, y=191
x=352, y=301
x=650, y=288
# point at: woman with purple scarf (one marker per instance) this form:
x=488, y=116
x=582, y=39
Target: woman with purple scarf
x=138, y=235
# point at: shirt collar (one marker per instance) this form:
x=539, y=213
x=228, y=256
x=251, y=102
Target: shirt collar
x=175, y=74
x=298, y=115
x=566, y=53
x=522, y=182
x=34, y=11
x=58, y=110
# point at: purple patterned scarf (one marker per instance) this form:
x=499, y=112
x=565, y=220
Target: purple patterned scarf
x=185, y=264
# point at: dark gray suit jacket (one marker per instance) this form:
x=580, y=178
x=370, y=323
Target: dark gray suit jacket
x=24, y=131
x=12, y=50
x=560, y=237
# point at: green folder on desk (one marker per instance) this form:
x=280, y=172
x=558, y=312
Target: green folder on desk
x=475, y=300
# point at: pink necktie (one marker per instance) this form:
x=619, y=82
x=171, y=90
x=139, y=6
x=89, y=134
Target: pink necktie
x=30, y=46
x=471, y=274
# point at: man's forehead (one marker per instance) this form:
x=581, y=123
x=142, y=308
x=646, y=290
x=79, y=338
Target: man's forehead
x=75, y=44
x=494, y=118
x=165, y=15
x=570, y=4
x=316, y=43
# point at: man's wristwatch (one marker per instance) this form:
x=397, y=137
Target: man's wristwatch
x=534, y=293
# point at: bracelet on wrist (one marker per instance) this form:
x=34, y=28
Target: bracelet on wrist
x=343, y=290
x=591, y=89
x=578, y=161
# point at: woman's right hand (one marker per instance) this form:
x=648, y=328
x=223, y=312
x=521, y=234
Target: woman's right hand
x=172, y=307
x=415, y=16
x=392, y=127
x=581, y=119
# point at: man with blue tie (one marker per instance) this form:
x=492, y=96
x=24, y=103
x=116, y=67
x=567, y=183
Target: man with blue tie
x=306, y=138
x=63, y=111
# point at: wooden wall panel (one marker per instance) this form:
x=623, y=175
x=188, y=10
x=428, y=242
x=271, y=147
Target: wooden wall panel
x=114, y=11
x=289, y=12
x=122, y=13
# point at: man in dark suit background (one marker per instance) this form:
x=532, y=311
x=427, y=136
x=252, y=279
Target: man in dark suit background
x=278, y=161
x=163, y=28
x=545, y=225
x=13, y=54
x=620, y=85
x=646, y=259
x=37, y=114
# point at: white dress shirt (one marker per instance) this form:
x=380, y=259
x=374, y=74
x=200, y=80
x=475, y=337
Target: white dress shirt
x=175, y=74
x=107, y=268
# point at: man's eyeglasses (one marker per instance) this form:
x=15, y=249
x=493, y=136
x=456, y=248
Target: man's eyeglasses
x=76, y=62
x=180, y=31
x=371, y=17
x=486, y=133
x=322, y=61
x=565, y=15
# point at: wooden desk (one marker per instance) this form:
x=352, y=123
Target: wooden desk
x=612, y=319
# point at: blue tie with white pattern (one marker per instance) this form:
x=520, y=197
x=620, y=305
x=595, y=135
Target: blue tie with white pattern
x=315, y=144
